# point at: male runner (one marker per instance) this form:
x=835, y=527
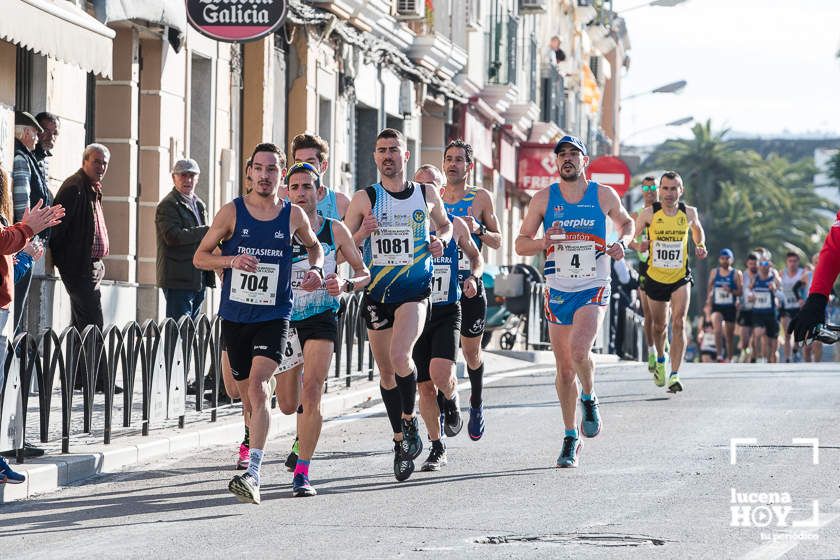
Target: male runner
x=724, y=287
x=764, y=320
x=437, y=347
x=393, y=218
x=669, y=280
x=790, y=276
x=255, y=231
x=314, y=327
x=573, y=215
x=746, y=340
x=314, y=150
x=649, y=196
x=475, y=206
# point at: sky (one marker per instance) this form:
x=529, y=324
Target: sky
x=763, y=67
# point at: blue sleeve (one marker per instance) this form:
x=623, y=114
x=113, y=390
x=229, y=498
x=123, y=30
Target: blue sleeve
x=23, y=264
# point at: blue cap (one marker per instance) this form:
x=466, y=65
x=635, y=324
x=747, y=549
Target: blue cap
x=727, y=253
x=574, y=141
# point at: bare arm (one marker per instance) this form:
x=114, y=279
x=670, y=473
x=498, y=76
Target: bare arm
x=739, y=283
x=642, y=221
x=301, y=228
x=358, y=215
x=437, y=214
x=468, y=246
x=492, y=236
x=342, y=201
x=709, y=290
x=612, y=207
x=697, y=233
x=349, y=253
x=220, y=229
x=527, y=245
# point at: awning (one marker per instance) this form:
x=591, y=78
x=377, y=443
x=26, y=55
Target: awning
x=60, y=30
x=172, y=13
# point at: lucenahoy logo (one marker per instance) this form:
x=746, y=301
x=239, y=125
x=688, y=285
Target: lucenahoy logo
x=236, y=21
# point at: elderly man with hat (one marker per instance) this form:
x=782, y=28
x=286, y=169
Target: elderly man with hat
x=29, y=185
x=181, y=220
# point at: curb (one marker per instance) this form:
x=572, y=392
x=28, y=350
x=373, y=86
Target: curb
x=51, y=472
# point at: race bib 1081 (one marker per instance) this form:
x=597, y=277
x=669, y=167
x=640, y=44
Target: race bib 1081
x=392, y=246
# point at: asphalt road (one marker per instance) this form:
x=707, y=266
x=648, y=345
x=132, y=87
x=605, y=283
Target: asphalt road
x=657, y=482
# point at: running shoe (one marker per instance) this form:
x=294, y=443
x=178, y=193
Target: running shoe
x=403, y=466
x=674, y=385
x=244, y=460
x=590, y=423
x=411, y=436
x=301, y=487
x=475, y=427
x=8, y=475
x=436, y=459
x=291, y=460
x=453, y=423
x=245, y=488
x=651, y=362
x=659, y=374
x=568, y=458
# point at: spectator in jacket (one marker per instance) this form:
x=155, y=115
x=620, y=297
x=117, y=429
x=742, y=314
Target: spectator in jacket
x=51, y=126
x=13, y=238
x=181, y=220
x=81, y=241
x=29, y=185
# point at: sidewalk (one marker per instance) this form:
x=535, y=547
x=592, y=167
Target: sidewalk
x=89, y=456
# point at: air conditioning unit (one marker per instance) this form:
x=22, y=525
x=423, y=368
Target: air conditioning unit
x=531, y=6
x=411, y=9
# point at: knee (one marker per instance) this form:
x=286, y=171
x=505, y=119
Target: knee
x=472, y=355
x=257, y=394
x=400, y=361
x=580, y=354
x=678, y=326
x=427, y=390
x=566, y=377
x=287, y=406
x=310, y=398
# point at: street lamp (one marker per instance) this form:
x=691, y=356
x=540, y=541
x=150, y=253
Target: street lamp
x=673, y=87
x=678, y=122
x=660, y=3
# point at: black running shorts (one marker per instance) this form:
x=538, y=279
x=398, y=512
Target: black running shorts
x=322, y=326
x=728, y=312
x=474, y=313
x=439, y=339
x=745, y=318
x=244, y=341
x=768, y=322
x=658, y=291
x=380, y=316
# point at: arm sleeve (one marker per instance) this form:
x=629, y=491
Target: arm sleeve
x=828, y=266
x=20, y=187
x=171, y=230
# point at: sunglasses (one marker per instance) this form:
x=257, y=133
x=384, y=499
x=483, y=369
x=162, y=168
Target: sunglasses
x=648, y=188
x=764, y=263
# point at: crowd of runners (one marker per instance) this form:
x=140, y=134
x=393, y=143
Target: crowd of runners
x=412, y=243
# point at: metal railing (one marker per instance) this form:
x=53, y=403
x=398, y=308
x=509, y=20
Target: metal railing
x=167, y=355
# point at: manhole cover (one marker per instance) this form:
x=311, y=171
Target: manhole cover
x=592, y=539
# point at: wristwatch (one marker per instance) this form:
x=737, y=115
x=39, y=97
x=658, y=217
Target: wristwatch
x=319, y=269
x=349, y=286
x=482, y=229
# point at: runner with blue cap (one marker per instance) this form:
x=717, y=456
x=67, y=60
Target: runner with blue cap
x=724, y=287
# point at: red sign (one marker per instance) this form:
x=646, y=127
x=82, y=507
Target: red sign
x=612, y=171
x=236, y=21
x=537, y=167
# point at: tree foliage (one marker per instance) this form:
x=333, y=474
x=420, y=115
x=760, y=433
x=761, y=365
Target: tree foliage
x=746, y=200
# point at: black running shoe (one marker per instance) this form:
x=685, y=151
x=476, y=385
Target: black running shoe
x=411, y=437
x=569, y=455
x=452, y=422
x=403, y=466
x=436, y=459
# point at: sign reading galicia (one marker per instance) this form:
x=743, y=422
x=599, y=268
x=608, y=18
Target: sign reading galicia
x=236, y=21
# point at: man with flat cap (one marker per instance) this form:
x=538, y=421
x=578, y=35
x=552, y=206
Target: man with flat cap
x=181, y=221
x=29, y=185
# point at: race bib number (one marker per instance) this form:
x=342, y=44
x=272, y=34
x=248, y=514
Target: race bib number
x=723, y=296
x=763, y=300
x=441, y=282
x=574, y=260
x=708, y=341
x=297, y=280
x=668, y=254
x=463, y=260
x=392, y=246
x=293, y=353
x=255, y=288
x=791, y=300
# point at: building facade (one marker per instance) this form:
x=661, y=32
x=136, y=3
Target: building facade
x=136, y=77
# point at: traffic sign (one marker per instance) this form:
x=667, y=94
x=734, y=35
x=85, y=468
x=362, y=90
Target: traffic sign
x=612, y=171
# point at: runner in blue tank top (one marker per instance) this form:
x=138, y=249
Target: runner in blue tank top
x=255, y=232
x=392, y=219
x=723, y=289
x=475, y=206
x=572, y=214
x=437, y=348
x=765, y=320
x=313, y=149
x=314, y=333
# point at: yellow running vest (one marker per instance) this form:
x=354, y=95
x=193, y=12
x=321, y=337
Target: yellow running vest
x=668, y=253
